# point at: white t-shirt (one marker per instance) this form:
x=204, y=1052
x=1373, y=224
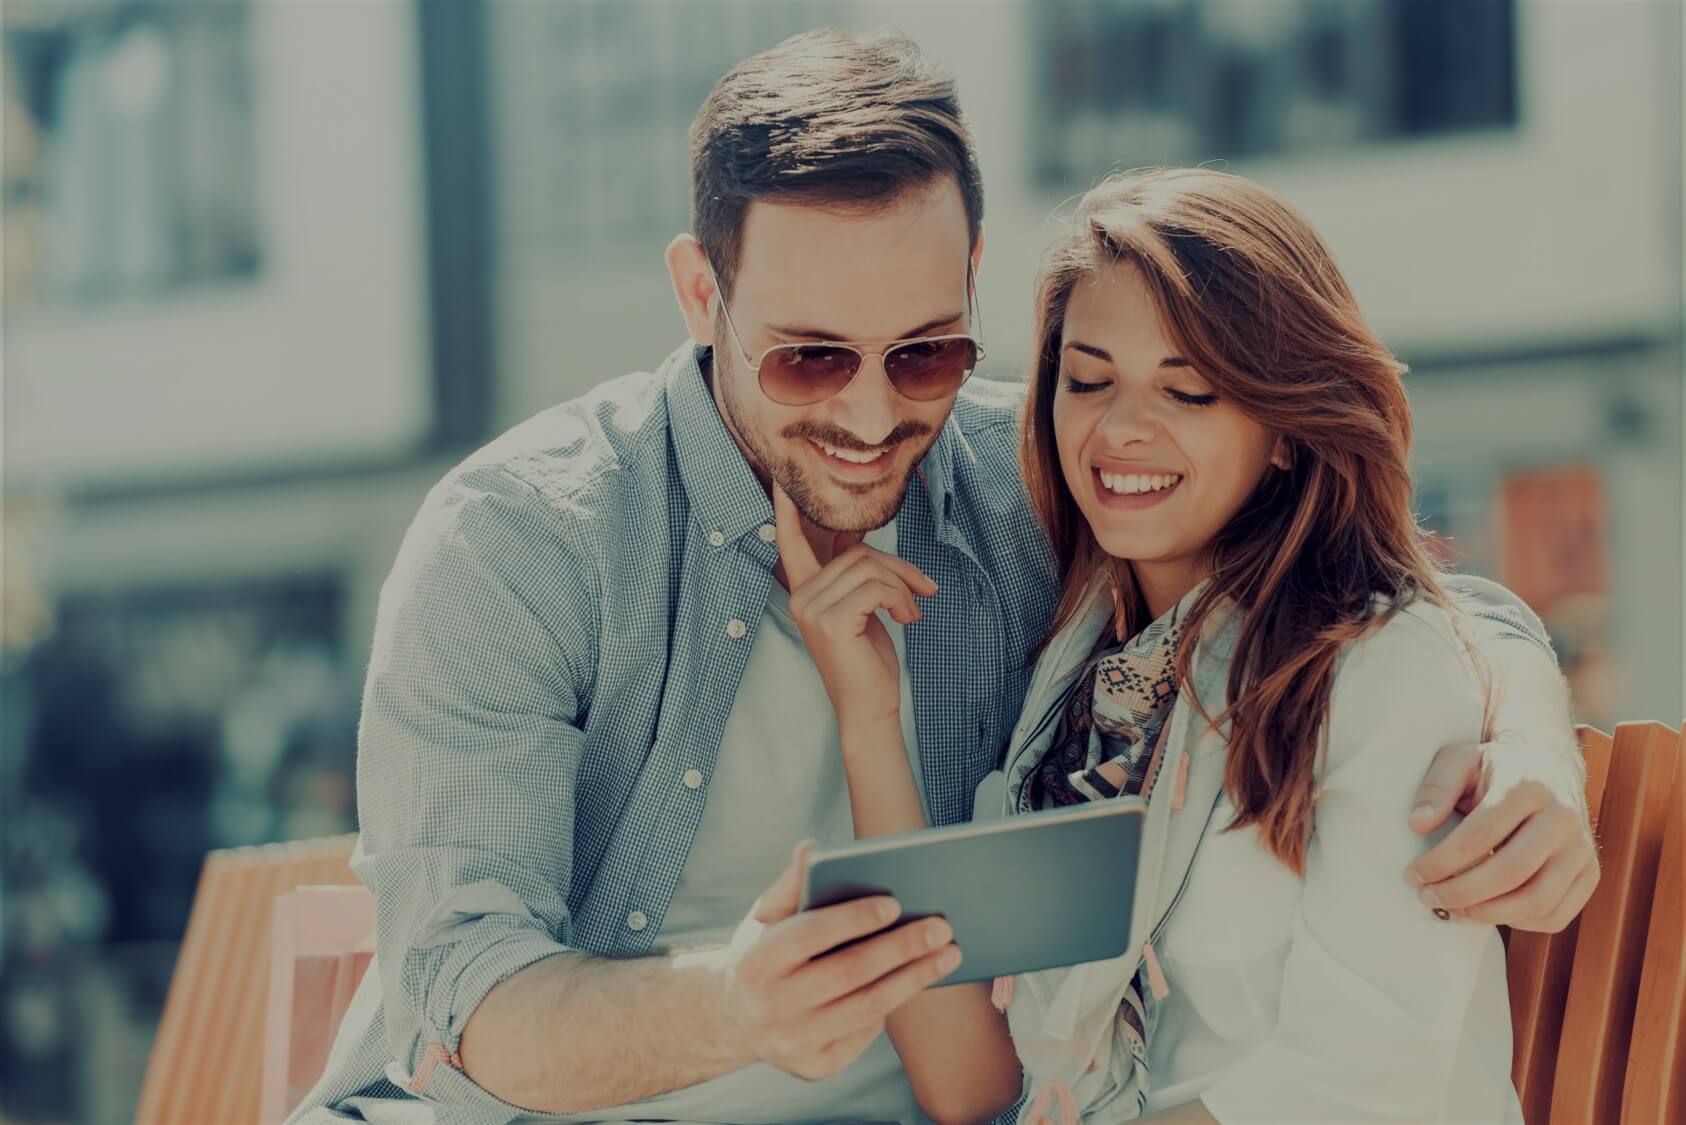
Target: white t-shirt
x=778, y=778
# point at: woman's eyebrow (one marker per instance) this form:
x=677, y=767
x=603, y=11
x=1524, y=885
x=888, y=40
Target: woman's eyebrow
x=1102, y=353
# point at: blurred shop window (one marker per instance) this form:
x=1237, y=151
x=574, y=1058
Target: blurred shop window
x=129, y=162
x=143, y=728
x=1182, y=81
x=592, y=98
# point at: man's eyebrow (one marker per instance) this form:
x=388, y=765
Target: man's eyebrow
x=805, y=331
x=1102, y=353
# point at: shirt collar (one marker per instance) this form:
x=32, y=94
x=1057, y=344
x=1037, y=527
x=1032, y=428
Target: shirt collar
x=726, y=495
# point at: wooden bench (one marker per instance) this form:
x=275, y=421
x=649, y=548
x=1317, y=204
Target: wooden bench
x=1597, y=1010
x=206, y=1064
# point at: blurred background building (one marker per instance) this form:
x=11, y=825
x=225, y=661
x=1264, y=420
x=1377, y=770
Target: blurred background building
x=271, y=266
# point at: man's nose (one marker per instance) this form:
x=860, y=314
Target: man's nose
x=869, y=407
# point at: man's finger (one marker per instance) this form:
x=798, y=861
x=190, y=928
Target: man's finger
x=808, y=935
x=849, y=970
x=1569, y=908
x=870, y=557
x=885, y=995
x=916, y=579
x=1455, y=771
x=1481, y=832
x=1506, y=870
x=780, y=900
x=859, y=599
x=1532, y=902
x=797, y=554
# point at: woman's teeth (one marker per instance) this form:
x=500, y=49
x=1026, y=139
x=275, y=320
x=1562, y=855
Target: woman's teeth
x=1131, y=483
x=852, y=456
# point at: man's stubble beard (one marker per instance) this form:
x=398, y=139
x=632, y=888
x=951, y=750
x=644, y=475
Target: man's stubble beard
x=866, y=515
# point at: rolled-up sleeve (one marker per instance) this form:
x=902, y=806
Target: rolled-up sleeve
x=1375, y=990
x=468, y=750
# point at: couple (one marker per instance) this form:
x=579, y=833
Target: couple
x=802, y=584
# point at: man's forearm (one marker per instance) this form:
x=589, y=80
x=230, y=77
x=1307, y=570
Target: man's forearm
x=574, y=1033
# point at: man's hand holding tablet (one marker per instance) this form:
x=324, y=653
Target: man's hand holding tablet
x=1023, y=893
x=810, y=991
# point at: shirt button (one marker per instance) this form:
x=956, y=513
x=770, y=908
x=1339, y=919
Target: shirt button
x=636, y=921
x=693, y=779
x=767, y=532
x=736, y=628
x=716, y=539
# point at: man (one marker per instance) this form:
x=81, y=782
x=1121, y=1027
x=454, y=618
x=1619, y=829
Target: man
x=591, y=734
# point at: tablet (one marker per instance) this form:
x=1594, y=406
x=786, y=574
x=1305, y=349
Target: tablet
x=1029, y=892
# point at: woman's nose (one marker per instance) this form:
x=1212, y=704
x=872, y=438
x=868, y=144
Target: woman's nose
x=1129, y=419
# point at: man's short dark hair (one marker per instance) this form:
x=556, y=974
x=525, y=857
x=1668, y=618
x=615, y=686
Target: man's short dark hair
x=825, y=117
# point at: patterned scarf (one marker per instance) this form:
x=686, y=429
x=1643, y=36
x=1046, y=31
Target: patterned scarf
x=1112, y=719
x=1107, y=745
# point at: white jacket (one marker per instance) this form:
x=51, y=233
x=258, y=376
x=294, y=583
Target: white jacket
x=1334, y=997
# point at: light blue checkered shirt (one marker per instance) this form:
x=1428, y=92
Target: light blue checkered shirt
x=559, y=645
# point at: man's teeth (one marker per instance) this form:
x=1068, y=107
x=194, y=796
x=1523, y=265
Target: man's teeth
x=851, y=455
x=1131, y=483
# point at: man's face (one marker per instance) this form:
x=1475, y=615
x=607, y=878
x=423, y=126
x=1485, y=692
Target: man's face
x=809, y=274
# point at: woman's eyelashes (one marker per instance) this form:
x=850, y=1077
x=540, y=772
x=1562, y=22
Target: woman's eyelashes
x=1077, y=386
x=1188, y=398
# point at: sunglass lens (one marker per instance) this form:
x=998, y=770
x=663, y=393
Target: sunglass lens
x=930, y=369
x=799, y=374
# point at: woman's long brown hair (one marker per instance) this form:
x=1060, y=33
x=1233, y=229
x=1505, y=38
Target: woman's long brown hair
x=1252, y=298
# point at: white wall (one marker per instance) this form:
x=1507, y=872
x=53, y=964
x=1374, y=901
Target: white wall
x=322, y=356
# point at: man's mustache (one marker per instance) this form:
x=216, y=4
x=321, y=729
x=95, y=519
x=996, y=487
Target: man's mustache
x=843, y=439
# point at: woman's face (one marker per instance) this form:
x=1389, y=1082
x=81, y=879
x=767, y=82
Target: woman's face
x=1157, y=462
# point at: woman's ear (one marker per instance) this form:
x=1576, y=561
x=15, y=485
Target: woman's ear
x=693, y=287
x=1280, y=457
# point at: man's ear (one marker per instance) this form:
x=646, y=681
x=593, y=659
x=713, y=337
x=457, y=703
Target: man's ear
x=977, y=261
x=693, y=287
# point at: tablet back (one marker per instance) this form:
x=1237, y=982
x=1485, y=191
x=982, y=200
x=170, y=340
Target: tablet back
x=1029, y=892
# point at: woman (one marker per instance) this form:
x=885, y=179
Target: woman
x=1251, y=636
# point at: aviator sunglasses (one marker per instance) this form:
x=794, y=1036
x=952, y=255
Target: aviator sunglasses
x=923, y=369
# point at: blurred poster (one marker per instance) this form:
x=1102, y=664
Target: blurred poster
x=1554, y=529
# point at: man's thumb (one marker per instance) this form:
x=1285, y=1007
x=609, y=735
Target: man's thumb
x=780, y=900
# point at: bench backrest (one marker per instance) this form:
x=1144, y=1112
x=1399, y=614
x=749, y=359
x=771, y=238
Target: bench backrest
x=207, y=1058
x=1575, y=996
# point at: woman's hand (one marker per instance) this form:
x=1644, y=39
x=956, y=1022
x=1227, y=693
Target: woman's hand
x=836, y=608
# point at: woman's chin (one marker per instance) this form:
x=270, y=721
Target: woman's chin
x=1132, y=548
